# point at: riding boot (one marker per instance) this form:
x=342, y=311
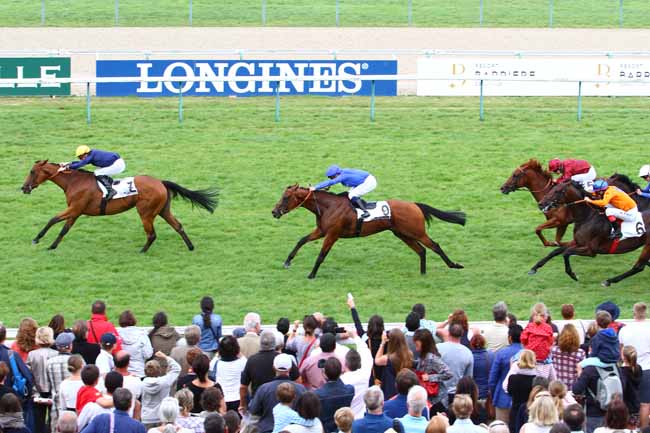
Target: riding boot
x=616, y=230
x=357, y=202
x=107, y=181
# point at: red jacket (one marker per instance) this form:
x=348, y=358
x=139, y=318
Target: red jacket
x=86, y=394
x=539, y=339
x=571, y=167
x=99, y=325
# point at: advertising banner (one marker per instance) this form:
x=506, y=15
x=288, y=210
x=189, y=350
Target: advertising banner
x=34, y=67
x=213, y=69
x=526, y=75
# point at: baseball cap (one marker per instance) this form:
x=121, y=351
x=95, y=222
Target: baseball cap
x=282, y=362
x=108, y=338
x=64, y=339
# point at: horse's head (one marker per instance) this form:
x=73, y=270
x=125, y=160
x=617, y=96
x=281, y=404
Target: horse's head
x=39, y=173
x=292, y=197
x=560, y=194
x=522, y=175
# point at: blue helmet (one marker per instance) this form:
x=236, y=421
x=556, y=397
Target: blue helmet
x=600, y=185
x=333, y=170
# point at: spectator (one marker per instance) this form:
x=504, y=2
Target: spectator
x=538, y=334
x=330, y=326
x=616, y=418
x=605, y=344
x=25, y=338
x=311, y=371
x=200, y=367
x=169, y=412
x=542, y=414
x=99, y=325
x=130, y=381
x=574, y=418
x=156, y=386
x=397, y=407
x=226, y=370
x=81, y=346
x=496, y=334
x=88, y=393
x=184, y=380
x=566, y=355
x=358, y=367
x=424, y=322
x=303, y=345
x=518, y=384
x=163, y=337
x=214, y=423
x=185, y=419
x=458, y=358
x=57, y=323
x=561, y=396
x=498, y=426
x=467, y=386
x=438, y=424
x=265, y=398
x=569, y=316
x=373, y=338
x=67, y=422
x=232, y=421
x=210, y=326
x=463, y=408
x=212, y=402
x=37, y=363
x=614, y=312
x=4, y=372
x=11, y=415
x=344, y=417
x=249, y=344
x=308, y=407
x=105, y=361
x=20, y=365
x=482, y=363
x=374, y=421
x=192, y=336
x=414, y=421
x=637, y=334
x=457, y=317
x=559, y=427
x=283, y=414
x=120, y=418
x=394, y=358
x=112, y=381
x=433, y=368
x=498, y=372
x=283, y=327
x=412, y=324
x=58, y=369
x=135, y=342
x=333, y=394
x=631, y=378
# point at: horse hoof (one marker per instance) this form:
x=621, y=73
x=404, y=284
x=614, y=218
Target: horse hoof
x=311, y=276
x=573, y=277
x=458, y=266
x=532, y=272
x=286, y=265
x=35, y=241
x=190, y=247
x=52, y=247
x=606, y=283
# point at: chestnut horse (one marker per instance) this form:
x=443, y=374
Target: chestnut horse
x=84, y=198
x=591, y=232
x=336, y=218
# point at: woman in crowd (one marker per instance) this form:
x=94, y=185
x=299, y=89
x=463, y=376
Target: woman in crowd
x=226, y=370
x=463, y=408
x=11, y=415
x=394, y=358
x=37, y=363
x=212, y=402
x=459, y=317
x=156, y=386
x=467, y=386
x=134, y=341
x=305, y=344
x=430, y=363
x=163, y=337
x=25, y=338
x=169, y=412
x=482, y=364
x=561, y=396
x=185, y=419
x=518, y=383
x=631, y=374
x=57, y=323
x=542, y=416
x=372, y=337
x=438, y=424
x=566, y=355
x=616, y=418
x=308, y=408
x=70, y=387
x=81, y=346
x=200, y=367
x=210, y=325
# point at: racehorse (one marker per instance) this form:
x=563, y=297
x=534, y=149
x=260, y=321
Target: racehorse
x=532, y=176
x=84, y=198
x=591, y=232
x=335, y=218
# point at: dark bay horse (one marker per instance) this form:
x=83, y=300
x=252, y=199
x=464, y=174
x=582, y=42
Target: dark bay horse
x=591, y=232
x=335, y=218
x=84, y=198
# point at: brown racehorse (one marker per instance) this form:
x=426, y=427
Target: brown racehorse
x=335, y=218
x=532, y=176
x=84, y=198
x=591, y=233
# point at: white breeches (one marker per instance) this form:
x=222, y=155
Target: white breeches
x=630, y=215
x=586, y=179
x=116, y=168
x=364, y=188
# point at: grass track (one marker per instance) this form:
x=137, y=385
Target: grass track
x=432, y=150
x=459, y=13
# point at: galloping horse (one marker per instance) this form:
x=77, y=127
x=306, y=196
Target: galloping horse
x=84, y=198
x=591, y=232
x=335, y=218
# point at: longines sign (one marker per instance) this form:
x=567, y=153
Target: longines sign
x=211, y=70
x=525, y=76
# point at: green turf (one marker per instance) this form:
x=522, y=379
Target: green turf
x=459, y=13
x=432, y=150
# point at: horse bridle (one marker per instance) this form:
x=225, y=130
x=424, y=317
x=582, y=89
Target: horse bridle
x=550, y=181
x=311, y=192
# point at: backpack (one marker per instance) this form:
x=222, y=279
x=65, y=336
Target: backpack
x=609, y=384
x=19, y=382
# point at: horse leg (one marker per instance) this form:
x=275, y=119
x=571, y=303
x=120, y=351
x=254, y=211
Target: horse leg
x=430, y=243
x=68, y=224
x=316, y=234
x=555, y=252
x=639, y=266
x=330, y=240
x=167, y=215
x=559, y=233
x=580, y=251
x=58, y=218
x=419, y=249
x=549, y=224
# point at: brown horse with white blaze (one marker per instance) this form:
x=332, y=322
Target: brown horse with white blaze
x=336, y=218
x=84, y=197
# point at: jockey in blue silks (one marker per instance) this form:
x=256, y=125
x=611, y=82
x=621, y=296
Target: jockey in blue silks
x=644, y=173
x=361, y=182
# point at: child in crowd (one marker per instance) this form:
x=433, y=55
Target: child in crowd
x=105, y=361
x=283, y=414
x=538, y=334
x=88, y=392
x=344, y=417
x=605, y=345
x=631, y=379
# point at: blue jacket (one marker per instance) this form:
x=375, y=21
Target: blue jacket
x=98, y=158
x=265, y=400
x=605, y=346
x=350, y=177
x=482, y=363
x=397, y=407
x=498, y=373
x=333, y=395
x=209, y=341
x=123, y=424
x=645, y=192
x=24, y=370
x=372, y=424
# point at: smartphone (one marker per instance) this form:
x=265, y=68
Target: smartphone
x=340, y=330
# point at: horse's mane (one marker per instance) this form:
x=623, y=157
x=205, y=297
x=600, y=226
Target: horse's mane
x=583, y=192
x=535, y=165
x=625, y=180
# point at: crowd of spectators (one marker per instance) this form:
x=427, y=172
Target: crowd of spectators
x=312, y=376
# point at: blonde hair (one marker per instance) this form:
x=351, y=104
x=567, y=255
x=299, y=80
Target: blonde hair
x=543, y=411
x=539, y=312
x=462, y=406
x=558, y=391
x=630, y=356
x=344, y=417
x=185, y=399
x=44, y=336
x=527, y=359
x=438, y=424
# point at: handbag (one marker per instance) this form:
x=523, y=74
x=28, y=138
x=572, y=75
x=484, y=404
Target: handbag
x=432, y=388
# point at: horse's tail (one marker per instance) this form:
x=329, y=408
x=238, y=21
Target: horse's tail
x=208, y=199
x=450, y=217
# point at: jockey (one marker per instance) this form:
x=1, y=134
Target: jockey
x=361, y=182
x=575, y=169
x=644, y=173
x=618, y=205
x=109, y=164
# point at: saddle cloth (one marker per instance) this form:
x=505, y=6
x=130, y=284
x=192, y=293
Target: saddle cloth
x=633, y=229
x=123, y=188
x=378, y=211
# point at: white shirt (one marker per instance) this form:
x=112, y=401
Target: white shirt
x=179, y=430
x=104, y=362
x=359, y=378
x=637, y=334
x=229, y=376
x=68, y=393
x=133, y=384
x=340, y=351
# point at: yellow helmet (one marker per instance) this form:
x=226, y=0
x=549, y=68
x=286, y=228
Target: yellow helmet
x=82, y=150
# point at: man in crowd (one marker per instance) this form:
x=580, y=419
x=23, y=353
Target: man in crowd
x=67, y=422
x=99, y=325
x=333, y=394
x=130, y=381
x=112, y=381
x=119, y=420
x=414, y=421
x=178, y=354
x=499, y=370
x=214, y=423
x=496, y=334
x=57, y=370
x=425, y=323
x=249, y=344
x=311, y=370
x=105, y=361
x=398, y=407
x=374, y=421
x=412, y=324
x=458, y=358
x=358, y=367
x=574, y=418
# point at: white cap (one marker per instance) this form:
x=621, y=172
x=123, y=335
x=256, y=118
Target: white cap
x=644, y=171
x=282, y=362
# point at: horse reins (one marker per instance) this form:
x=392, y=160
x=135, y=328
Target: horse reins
x=315, y=201
x=532, y=191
